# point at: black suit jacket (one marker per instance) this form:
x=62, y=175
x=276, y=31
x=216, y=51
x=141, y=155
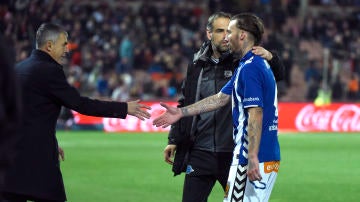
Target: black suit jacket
x=10, y=107
x=36, y=170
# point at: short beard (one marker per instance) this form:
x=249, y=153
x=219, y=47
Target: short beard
x=222, y=51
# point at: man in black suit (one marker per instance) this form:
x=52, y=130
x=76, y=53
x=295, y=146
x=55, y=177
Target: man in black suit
x=35, y=174
x=10, y=107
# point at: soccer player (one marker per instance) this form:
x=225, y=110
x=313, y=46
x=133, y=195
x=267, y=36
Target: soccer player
x=253, y=92
x=202, y=147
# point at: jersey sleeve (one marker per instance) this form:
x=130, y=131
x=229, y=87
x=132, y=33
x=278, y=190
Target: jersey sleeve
x=252, y=83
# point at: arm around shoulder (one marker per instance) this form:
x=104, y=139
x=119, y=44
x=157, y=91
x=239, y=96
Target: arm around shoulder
x=277, y=66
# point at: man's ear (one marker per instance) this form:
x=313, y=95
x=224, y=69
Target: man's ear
x=208, y=34
x=242, y=35
x=48, y=46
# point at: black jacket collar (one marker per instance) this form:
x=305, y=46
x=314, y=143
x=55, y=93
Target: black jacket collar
x=43, y=56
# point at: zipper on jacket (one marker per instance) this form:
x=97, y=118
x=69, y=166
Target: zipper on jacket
x=215, y=87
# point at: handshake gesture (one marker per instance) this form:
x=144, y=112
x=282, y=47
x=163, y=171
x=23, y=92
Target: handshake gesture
x=171, y=115
x=138, y=110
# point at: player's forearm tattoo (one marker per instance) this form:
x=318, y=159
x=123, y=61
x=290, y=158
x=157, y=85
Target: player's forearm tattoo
x=254, y=130
x=208, y=104
x=255, y=127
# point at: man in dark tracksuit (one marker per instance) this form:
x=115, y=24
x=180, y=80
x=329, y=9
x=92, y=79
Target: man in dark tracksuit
x=203, y=144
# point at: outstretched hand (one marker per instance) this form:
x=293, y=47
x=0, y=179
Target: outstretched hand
x=171, y=115
x=137, y=109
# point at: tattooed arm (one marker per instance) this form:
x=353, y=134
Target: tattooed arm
x=208, y=104
x=173, y=114
x=254, y=137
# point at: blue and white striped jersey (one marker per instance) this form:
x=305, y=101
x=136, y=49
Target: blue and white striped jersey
x=254, y=85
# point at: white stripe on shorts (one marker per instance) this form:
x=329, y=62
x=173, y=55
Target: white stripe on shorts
x=240, y=189
x=236, y=184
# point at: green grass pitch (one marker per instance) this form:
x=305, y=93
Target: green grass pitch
x=129, y=167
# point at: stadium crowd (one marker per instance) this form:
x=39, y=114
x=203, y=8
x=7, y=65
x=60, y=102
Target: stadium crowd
x=125, y=49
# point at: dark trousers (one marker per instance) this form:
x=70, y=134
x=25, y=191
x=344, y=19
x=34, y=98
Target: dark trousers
x=206, y=169
x=11, y=197
x=198, y=188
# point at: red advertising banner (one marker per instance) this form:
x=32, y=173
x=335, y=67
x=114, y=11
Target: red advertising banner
x=337, y=117
x=304, y=117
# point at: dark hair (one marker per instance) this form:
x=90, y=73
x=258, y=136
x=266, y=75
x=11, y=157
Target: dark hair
x=215, y=16
x=48, y=32
x=250, y=23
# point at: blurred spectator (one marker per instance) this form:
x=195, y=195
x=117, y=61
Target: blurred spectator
x=337, y=90
x=102, y=84
x=353, y=87
x=287, y=58
x=122, y=90
x=313, y=89
x=157, y=66
x=126, y=51
x=312, y=72
x=136, y=37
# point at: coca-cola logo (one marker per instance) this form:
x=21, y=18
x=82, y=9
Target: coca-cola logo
x=345, y=118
